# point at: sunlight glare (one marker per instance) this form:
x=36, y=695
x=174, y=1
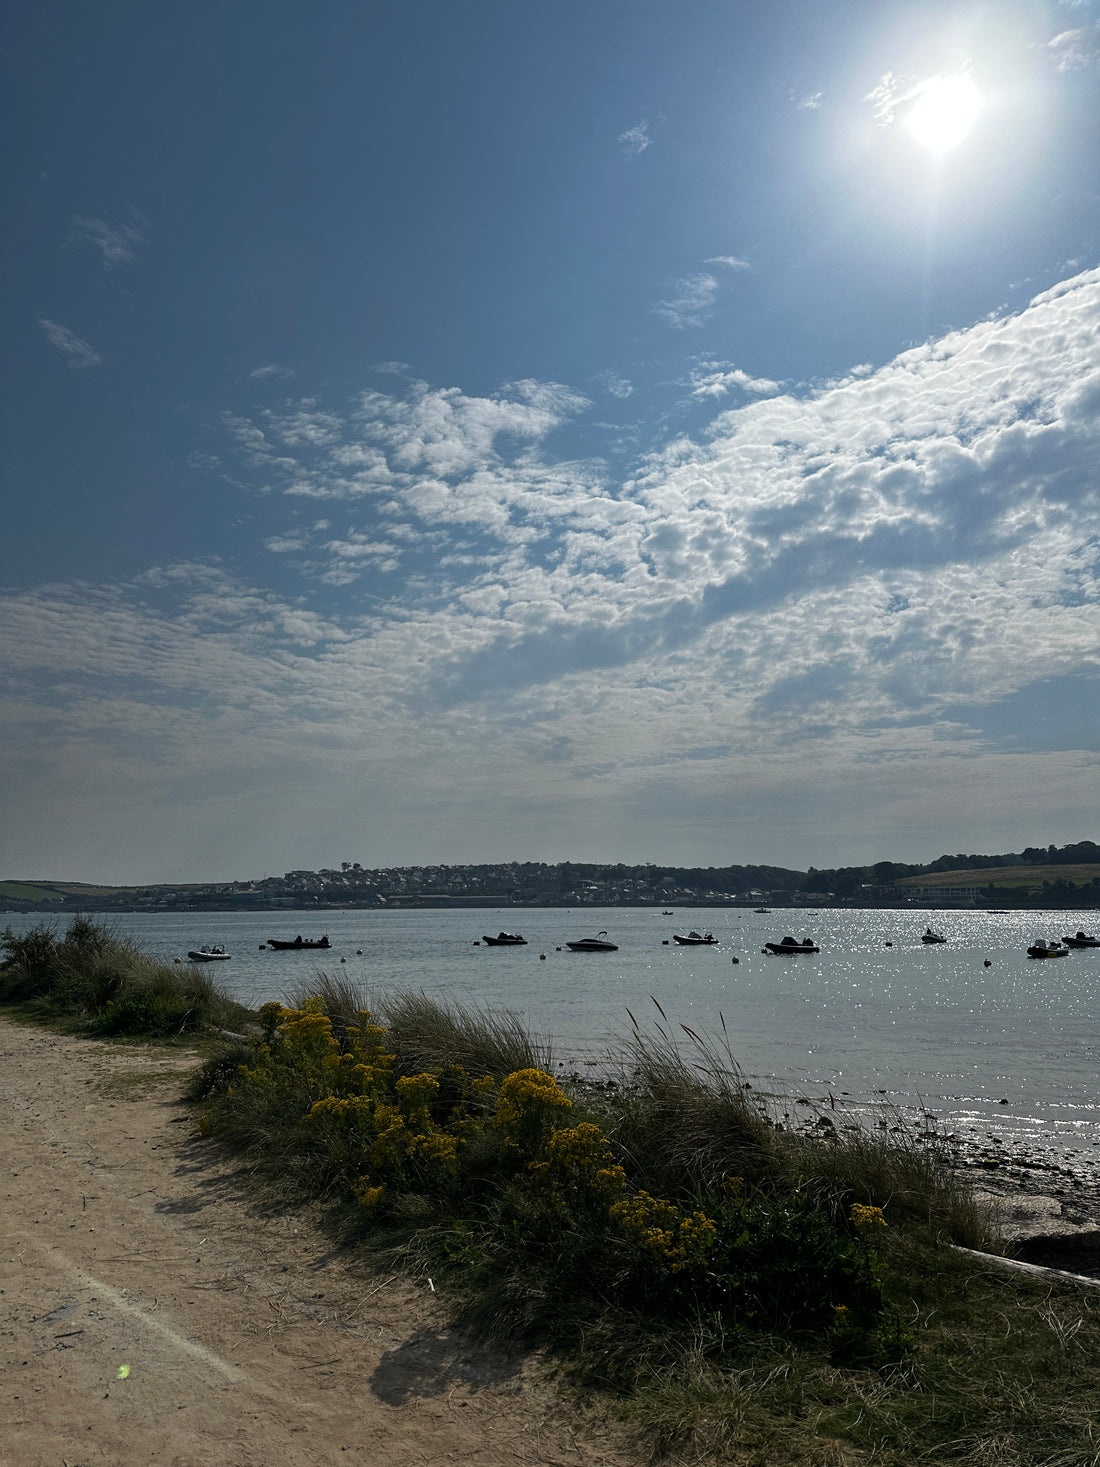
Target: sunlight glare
x=944, y=112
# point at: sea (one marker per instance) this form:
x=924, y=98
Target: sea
x=970, y=1035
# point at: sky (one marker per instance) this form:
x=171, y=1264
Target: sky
x=615, y=430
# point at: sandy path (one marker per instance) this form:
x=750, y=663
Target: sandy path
x=151, y=1313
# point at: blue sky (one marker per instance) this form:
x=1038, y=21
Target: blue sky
x=615, y=431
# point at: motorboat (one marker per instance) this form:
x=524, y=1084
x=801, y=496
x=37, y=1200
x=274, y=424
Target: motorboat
x=1082, y=940
x=505, y=939
x=214, y=953
x=929, y=936
x=298, y=945
x=597, y=944
x=1041, y=949
x=761, y=909
x=788, y=945
x=694, y=939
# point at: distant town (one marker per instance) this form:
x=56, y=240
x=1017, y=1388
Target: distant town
x=1051, y=876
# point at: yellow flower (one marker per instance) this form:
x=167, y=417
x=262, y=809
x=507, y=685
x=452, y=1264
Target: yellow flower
x=866, y=1220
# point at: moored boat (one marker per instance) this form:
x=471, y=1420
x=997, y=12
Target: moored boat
x=1081, y=940
x=1041, y=949
x=504, y=939
x=214, y=953
x=694, y=939
x=788, y=945
x=299, y=944
x=929, y=936
x=597, y=944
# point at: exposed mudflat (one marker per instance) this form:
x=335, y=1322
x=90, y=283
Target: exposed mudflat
x=152, y=1312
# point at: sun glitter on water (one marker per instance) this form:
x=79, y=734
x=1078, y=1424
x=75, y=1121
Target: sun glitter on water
x=944, y=112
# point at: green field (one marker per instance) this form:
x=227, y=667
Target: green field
x=53, y=891
x=1080, y=874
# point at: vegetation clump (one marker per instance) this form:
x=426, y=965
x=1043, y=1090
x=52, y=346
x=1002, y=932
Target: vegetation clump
x=97, y=980
x=669, y=1196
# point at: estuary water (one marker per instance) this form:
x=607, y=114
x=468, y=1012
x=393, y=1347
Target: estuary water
x=1008, y=1051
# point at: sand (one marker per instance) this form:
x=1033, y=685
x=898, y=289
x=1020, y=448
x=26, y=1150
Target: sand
x=152, y=1312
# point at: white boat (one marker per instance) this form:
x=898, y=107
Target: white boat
x=1082, y=940
x=214, y=953
x=597, y=944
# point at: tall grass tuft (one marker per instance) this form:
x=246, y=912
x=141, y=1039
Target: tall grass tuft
x=424, y=1033
x=685, y=1116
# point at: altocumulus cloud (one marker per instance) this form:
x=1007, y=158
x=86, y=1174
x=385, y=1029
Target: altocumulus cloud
x=852, y=578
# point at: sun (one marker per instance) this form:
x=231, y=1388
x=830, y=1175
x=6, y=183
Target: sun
x=943, y=112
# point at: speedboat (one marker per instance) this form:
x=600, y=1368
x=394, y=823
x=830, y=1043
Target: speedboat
x=694, y=939
x=788, y=945
x=505, y=939
x=1041, y=949
x=298, y=945
x=1082, y=940
x=929, y=936
x=597, y=944
x=215, y=953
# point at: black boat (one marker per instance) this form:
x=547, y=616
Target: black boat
x=788, y=945
x=694, y=939
x=504, y=939
x=298, y=945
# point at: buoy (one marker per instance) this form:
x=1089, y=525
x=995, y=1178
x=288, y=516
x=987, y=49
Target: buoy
x=557, y=949
x=263, y=946
x=735, y=960
x=988, y=963
x=343, y=960
x=358, y=952
x=542, y=957
x=179, y=960
x=889, y=944
x=476, y=943
x=664, y=942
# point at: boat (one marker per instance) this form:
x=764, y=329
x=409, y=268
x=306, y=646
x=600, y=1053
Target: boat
x=214, y=953
x=929, y=936
x=694, y=939
x=1082, y=940
x=1041, y=949
x=597, y=944
x=788, y=945
x=667, y=912
x=505, y=939
x=761, y=909
x=298, y=945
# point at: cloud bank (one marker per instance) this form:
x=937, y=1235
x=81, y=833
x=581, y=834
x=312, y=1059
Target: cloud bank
x=857, y=589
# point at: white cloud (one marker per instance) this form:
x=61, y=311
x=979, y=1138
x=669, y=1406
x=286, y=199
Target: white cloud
x=271, y=370
x=810, y=102
x=691, y=303
x=1076, y=49
x=78, y=352
x=635, y=140
x=620, y=387
x=117, y=244
x=715, y=381
x=731, y=262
